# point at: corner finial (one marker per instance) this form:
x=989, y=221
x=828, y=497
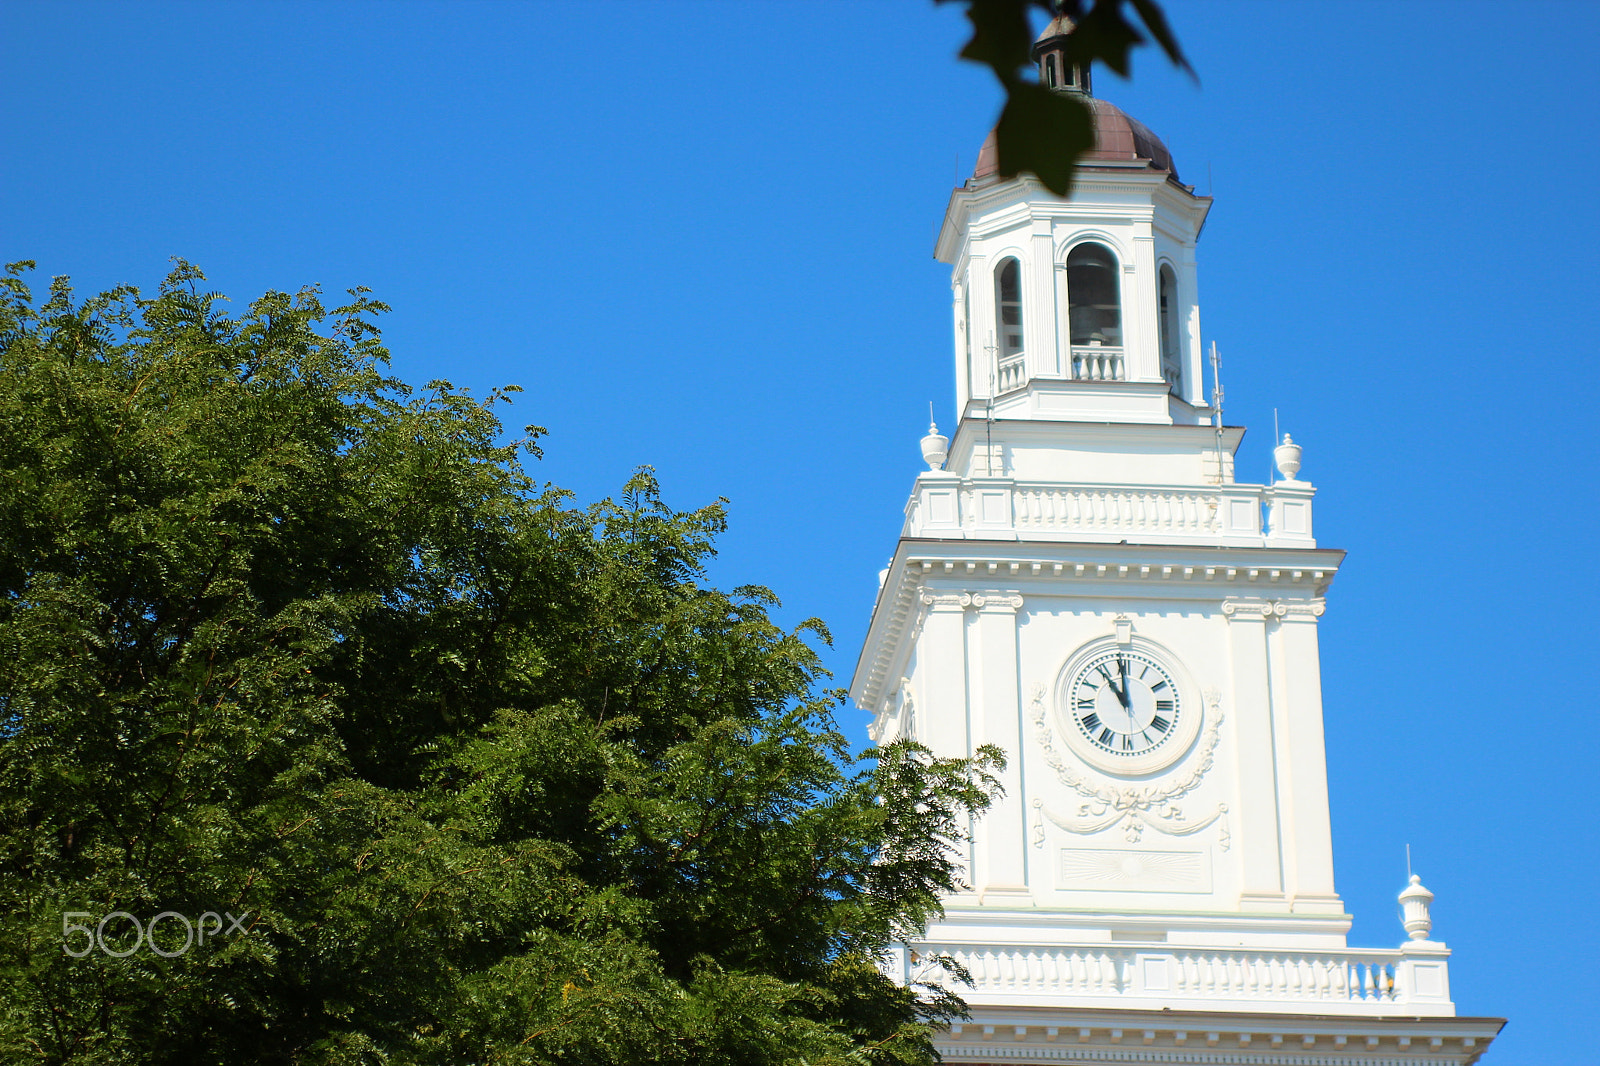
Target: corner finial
x=935, y=446
x=1287, y=456
x=1414, y=903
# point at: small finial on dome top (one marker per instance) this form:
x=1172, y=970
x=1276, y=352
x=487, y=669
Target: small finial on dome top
x=1051, y=50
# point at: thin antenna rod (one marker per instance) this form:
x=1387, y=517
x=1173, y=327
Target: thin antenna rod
x=1271, y=462
x=1408, y=862
x=930, y=413
x=1216, y=405
x=988, y=409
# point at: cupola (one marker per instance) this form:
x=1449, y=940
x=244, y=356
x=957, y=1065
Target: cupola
x=1052, y=52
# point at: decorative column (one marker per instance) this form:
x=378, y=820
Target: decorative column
x=1140, y=345
x=961, y=313
x=1001, y=843
x=1297, y=721
x=941, y=675
x=1041, y=313
x=982, y=333
x=1194, y=363
x=1261, y=862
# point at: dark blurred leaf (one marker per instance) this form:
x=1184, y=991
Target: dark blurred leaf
x=1043, y=133
x=1104, y=35
x=1001, y=34
x=1036, y=134
x=1155, y=21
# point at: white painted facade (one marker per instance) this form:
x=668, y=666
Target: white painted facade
x=1174, y=903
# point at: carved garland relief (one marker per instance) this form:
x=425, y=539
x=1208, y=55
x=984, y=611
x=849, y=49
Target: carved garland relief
x=1135, y=808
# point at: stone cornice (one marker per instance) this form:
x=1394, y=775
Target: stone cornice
x=1045, y=1035
x=1153, y=186
x=1199, y=573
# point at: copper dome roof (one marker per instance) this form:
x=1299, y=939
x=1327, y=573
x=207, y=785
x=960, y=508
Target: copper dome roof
x=1117, y=136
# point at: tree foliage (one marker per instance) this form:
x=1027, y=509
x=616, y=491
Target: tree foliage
x=494, y=777
x=1044, y=132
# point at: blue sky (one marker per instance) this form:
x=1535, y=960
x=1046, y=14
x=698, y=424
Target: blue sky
x=699, y=235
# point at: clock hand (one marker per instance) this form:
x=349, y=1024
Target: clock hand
x=1127, y=698
x=1122, y=693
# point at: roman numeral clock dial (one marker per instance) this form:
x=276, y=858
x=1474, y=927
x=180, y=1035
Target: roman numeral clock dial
x=1124, y=703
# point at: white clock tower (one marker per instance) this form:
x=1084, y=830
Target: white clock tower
x=1081, y=581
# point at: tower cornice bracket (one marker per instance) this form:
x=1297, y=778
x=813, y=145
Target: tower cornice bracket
x=1252, y=610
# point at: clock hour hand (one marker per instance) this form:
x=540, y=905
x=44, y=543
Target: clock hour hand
x=1120, y=693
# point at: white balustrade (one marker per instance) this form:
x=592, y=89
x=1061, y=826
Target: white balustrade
x=1013, y=373
x=1094, y=363
x=1092, y=508
x=1053, y=510
x=1361, y=980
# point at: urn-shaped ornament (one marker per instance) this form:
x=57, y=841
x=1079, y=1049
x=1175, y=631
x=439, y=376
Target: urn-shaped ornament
x=1287, y=456
x=935, y=446
x=1414, y=904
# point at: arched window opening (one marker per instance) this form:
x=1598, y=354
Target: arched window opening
x=1171, y=359
x=1008, y=302
x=1094, y=308
x=1009, y=286
x=1094, y=314
x=1050, y=69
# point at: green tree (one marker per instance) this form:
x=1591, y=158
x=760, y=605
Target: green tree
x=1041, y=131
x=483, y=776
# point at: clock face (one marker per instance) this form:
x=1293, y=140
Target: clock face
x=1124, y=702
